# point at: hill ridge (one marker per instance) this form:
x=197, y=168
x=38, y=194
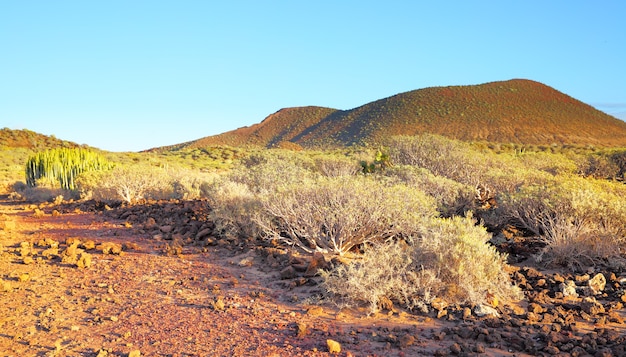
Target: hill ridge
x=519, y=111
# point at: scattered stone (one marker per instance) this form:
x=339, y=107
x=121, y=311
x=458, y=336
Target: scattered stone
x=591, y=306
x=315, y=311
x=288, y=273
x=24, y=277
x=246, y=262
x=110, y=248
x=597, y=283
x=5, y=286
x=333, y=346
x=218, y=304
x=484, y=310
x=467, y=313
x=455, y=348
x=406, y=340
x=89, y=244
x=301, y=329
x=84, y=261
x=568, y=288
x=134, y=353
x=28, y=260
x=317, y=262
x=166, y=229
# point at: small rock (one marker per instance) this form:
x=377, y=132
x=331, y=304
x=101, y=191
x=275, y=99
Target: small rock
x=315, y=311
x=333, y=346
x=288, y=273
x=301, y=329
x=317, y=262
x=467, y=313
x=166, y=229
x=597, y=283
x=484, y=310
x=406, y=340
x=455, y=348
x=568, y=288
x=135, y=353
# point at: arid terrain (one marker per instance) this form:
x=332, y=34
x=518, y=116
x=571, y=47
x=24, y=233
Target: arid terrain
x=84, y=279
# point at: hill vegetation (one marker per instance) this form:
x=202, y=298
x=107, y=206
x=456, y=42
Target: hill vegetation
x=515, y=111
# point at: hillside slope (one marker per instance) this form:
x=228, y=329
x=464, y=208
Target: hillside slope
x=515, y=111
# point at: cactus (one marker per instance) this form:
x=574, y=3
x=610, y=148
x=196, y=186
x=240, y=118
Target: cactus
x=63, y=165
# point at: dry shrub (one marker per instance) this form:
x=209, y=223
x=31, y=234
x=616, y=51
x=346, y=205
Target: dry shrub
x=332, y=166
x=449, y=258
x=452, y=197
x=135, y=183
x=336, y=214
x=442, y=156
x=384, y=271
x=581, y=220
x=234, y=207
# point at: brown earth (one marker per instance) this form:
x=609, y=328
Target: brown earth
x=154, y=280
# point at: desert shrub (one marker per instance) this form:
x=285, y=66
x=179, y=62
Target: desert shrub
x=442, y=156
x=597, y=165
x=333, y=166
x=580, y=220
x=452, y=197
x=234, y=208
x=337, y=214
x=263, y=171
x=385, y=271
x=554, y=164
x=449, y=258
x=130, y=184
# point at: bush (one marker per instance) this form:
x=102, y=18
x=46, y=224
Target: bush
x=130, y=184
x=581, y=220
x=449, y=258
x=233, y=208
x=335, y=215
x=442, y=156
x=452, y=197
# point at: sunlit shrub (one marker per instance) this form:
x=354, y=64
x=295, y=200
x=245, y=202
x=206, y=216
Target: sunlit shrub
x=442, y=156
x=449, y=258
x=581, y=220
x=452, y=197
x=234, y=208
x=334, y=215
x=129, y=184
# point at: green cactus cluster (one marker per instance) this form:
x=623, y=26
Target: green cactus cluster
x=63, y=165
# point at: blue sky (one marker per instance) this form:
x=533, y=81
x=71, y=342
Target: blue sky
x=131, y=75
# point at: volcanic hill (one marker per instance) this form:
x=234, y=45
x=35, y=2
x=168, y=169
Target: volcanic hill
x=514, y=111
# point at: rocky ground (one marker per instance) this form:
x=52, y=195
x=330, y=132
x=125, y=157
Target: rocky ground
x=85, y=279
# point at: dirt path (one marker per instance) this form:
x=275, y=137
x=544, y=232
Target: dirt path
x=205, y=302
x=143, y=294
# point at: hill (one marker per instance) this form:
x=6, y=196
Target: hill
x=514, y=111
x=30, y=140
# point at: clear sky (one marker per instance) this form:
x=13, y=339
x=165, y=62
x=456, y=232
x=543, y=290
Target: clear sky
x=129, y=75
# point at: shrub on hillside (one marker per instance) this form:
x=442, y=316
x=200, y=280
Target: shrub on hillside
x=448, y=258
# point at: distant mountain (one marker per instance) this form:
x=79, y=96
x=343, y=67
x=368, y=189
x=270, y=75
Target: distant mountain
x=10, y=138
x=515, y=111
